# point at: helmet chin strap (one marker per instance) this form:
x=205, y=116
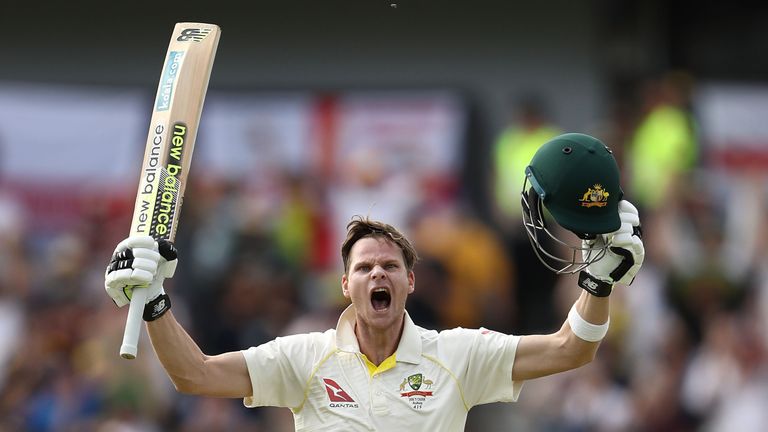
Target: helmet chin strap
x=535, y=225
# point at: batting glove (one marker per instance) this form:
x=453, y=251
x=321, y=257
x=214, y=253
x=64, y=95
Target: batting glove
x=139, y=262
x=623, y=258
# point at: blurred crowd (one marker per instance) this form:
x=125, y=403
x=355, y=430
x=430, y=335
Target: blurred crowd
x=686, y=350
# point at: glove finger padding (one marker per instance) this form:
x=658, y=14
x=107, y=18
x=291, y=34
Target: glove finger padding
x=627, y=207
x=138, y=262
x=137, y=242
x=626, y=254
x=170, y=255
x=622, y=237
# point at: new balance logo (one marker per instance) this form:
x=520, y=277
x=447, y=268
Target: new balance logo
x=159, y=306
x=338, y=397
x=193, y=34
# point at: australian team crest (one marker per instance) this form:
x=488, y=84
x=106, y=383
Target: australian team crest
x=415, y=381
x=417, y=395
x=595, y=196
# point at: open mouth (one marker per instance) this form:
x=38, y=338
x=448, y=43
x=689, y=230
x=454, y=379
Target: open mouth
x=380, y=299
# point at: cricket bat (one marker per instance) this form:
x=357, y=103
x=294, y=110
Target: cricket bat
x=171, y=139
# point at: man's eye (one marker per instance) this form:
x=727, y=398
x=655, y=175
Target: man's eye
x=392, y=266
x=364, y=268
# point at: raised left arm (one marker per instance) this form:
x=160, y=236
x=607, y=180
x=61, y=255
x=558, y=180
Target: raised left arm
x=576, y=343
x=542, y=355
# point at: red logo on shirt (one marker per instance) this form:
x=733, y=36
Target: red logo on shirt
x=335, y=392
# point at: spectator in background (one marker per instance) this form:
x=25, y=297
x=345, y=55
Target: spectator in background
x=475, y=292
x=663, y=148
x=529, y=128
x=14, y=279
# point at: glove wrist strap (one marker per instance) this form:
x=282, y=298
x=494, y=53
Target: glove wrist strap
x=157, y=307
x=594, y=286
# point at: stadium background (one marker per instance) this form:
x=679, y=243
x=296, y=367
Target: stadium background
x=321, y=110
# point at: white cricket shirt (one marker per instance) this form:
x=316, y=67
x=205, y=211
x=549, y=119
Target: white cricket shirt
x=437, y=378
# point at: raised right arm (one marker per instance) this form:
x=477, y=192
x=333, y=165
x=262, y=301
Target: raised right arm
x=192, y=371
x=140, y=262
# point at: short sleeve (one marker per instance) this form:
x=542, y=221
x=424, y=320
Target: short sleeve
x=279, y=371
x=483, y=361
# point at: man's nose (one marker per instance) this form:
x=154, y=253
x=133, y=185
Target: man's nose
x=378, y=272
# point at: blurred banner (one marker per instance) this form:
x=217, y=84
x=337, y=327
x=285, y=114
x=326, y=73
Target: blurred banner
x=87, y=136
x=377, y=153
x=65, y=148
x=733, y=121
x=254, y=136
x=393, y=153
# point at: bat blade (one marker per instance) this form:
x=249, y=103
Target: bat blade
x=176, y=114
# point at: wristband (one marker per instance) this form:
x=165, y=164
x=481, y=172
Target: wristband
x=157, y=307
x=585, y=330
x=594, y=286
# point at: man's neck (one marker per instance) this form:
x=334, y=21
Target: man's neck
x=377, y=344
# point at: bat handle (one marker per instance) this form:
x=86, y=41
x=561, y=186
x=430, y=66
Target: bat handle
x=130, y=345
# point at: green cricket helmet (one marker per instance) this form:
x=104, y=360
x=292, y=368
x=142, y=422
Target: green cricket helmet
x=575, y=178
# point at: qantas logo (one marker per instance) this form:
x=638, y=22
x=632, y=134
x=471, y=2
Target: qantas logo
x=338, y=397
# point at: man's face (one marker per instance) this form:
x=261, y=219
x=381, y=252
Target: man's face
x=377, y=282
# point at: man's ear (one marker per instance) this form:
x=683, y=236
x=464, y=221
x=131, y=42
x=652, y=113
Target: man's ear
x=345, y=285
x=411, y=282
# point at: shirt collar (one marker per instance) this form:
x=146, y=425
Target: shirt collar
x=408, y=350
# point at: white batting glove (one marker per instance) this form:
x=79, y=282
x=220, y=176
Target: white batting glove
x=626, y=253
x=622, y=259
x=139, y=262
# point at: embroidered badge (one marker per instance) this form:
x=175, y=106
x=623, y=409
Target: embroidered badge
x=416, y=395
x=595, y=196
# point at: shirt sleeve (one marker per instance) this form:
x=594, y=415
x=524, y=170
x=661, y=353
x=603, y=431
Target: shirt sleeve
x=482, y=360
x=279, y=371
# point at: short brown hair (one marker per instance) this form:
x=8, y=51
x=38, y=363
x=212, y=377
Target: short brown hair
x=360, y=227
